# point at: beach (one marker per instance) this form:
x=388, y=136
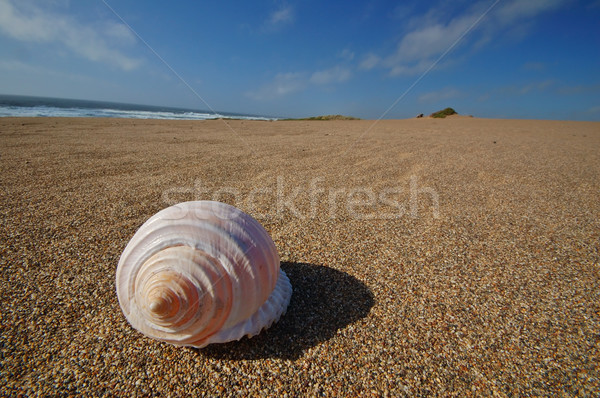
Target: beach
x=453, y=257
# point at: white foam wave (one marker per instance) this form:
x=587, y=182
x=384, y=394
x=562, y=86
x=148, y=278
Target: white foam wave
x=49, y=111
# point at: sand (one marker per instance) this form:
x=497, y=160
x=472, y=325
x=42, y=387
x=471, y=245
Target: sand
x=454, y=256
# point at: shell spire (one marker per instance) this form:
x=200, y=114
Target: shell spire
x=199, y=273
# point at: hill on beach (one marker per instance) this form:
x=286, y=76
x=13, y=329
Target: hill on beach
x=328, y=117
x=443, y=113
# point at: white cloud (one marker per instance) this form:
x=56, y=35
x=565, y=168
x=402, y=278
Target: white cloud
x=594, y=109
x=369, y=62
x=440, y=95
x=431, y=40
x=283, y=15
x=431, y=35
x=346, y=54
x=511, y=11
x=409, y=68
x=283, y=84
x=333, y=75
x=12, y=65
x=288, y=83
x=535, y=87
x=120, y=32
x=279, y=18
x=94, y=42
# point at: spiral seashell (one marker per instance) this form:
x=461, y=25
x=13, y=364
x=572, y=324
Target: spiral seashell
x=199, y=273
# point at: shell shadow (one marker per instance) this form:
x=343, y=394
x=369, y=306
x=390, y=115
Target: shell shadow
x=323, y=301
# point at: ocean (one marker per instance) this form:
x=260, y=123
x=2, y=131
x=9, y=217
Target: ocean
x=23, y=106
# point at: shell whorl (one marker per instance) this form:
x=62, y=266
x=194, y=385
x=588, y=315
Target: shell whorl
x=201, y=272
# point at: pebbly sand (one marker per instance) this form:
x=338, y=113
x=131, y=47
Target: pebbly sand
x=451, y=257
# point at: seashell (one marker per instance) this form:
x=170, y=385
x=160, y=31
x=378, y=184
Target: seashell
x=199, y=273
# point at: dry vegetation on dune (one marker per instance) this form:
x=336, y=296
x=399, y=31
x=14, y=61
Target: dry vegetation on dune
x=443, y=113
x=328, y=117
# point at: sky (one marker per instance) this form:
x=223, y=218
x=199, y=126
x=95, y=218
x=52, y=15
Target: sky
x=525, y=59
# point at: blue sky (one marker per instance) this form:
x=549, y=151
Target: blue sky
x=394, y=59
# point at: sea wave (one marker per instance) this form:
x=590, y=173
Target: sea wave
x=12, y=106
